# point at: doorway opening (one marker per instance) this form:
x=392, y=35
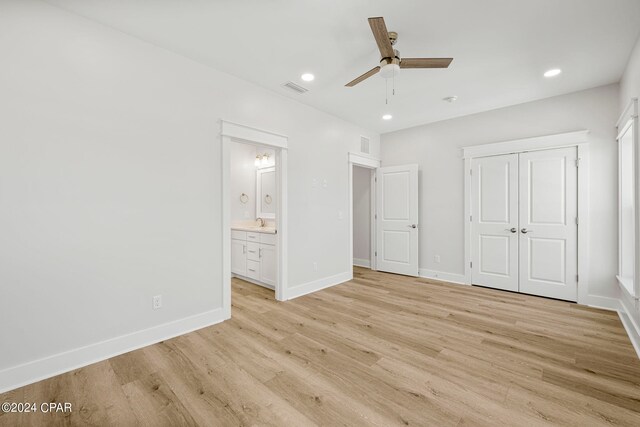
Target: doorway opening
x=363, y=223
x=362, y=204
x=254, y=213
x=253, y=216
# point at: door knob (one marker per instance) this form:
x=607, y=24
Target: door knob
x=413, y=226
x=525, y=231
x=513, y=230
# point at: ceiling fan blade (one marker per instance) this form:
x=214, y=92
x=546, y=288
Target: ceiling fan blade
x=382, y=37
x=425, y=62
x=366, y=75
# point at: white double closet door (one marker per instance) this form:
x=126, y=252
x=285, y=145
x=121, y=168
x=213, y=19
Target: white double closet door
x=524, y=233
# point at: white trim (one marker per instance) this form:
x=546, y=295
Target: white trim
x=282, y=222
x=628, y=122
x=373, y=221
x=583, y=223
x=369, y=162
x=605, y=303
x=364, y=160
x=632, y=309
x=467, y=221
x=37, y=370
x=572, y=139
x=359, y=262
x=244, y=134
x=317, y=285
x=254, y=135
x=630, y=112
x=458, y=279
x=632, y=332
x=568, y=139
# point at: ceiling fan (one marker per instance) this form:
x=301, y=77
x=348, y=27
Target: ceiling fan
x=391, y=62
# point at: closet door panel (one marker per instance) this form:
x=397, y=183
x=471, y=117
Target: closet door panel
x=494, y=235
x=548, y=228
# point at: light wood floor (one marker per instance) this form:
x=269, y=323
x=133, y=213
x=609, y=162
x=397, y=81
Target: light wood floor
x=379, y=350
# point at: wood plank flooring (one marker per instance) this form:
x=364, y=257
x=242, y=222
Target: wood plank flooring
x=379, y=350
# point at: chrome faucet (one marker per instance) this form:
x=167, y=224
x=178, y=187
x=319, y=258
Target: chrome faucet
x=261, y=221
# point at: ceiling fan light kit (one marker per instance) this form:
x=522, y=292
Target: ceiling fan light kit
x=391, y=62
x=389, y=67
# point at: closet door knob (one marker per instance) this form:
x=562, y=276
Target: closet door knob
x=525, y=231
x=513, y=230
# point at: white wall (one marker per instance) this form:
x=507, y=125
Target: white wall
x=436, y=147
x=361, y=215
x=630, y=82
x=110, y=183
x=630, y=88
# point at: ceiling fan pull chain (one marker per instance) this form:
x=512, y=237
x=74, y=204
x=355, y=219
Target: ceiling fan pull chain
x=386, y=92
x=394, y=84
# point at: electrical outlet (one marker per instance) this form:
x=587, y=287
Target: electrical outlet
x=157, y=302
x=436, y=258
x=325, y=183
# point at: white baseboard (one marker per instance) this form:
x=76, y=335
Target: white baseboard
x=458, y=279
x=632, y=332
x=359, y=262
x=37, y=370
x=319, y=284
x=606, y=303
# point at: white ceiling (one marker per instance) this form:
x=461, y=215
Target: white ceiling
x=501, y=48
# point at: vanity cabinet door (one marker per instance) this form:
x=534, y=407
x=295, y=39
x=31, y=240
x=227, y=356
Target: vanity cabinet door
x=268, y=264
x=239, y=257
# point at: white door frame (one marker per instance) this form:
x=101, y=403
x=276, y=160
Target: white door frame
x=577, y=139
x=372, y=163
x=234, y=132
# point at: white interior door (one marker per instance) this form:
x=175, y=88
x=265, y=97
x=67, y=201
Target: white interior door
x=494, y=222
x=548, y=223
x=397, y=223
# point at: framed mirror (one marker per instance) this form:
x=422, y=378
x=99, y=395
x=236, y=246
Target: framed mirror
x=266, y=193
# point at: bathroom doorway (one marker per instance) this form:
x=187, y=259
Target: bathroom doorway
x=254, y=191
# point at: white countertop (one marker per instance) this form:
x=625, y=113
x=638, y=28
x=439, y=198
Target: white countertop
x=254, y=229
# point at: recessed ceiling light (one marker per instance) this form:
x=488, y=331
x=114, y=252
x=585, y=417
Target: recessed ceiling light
x=552, y=73
x=387, y=117
x=450, y=99
x=307, y=77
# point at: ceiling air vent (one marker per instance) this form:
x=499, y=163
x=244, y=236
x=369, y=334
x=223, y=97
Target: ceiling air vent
x=294, y=87
x=364, y=144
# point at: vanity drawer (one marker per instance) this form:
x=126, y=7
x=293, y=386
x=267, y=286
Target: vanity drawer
x=238, y=235
x=268, y=239
x=253, y=237
x=253, y=269
x=253, y=251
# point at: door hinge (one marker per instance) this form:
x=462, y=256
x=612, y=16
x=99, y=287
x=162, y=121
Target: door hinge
x=578, y=162
x=577, y=278
x=470, y=218
x=577, y=222
x=375, y=216
x=470, y=171
x=376, y=253
x=471, y=264
x=375, y=179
